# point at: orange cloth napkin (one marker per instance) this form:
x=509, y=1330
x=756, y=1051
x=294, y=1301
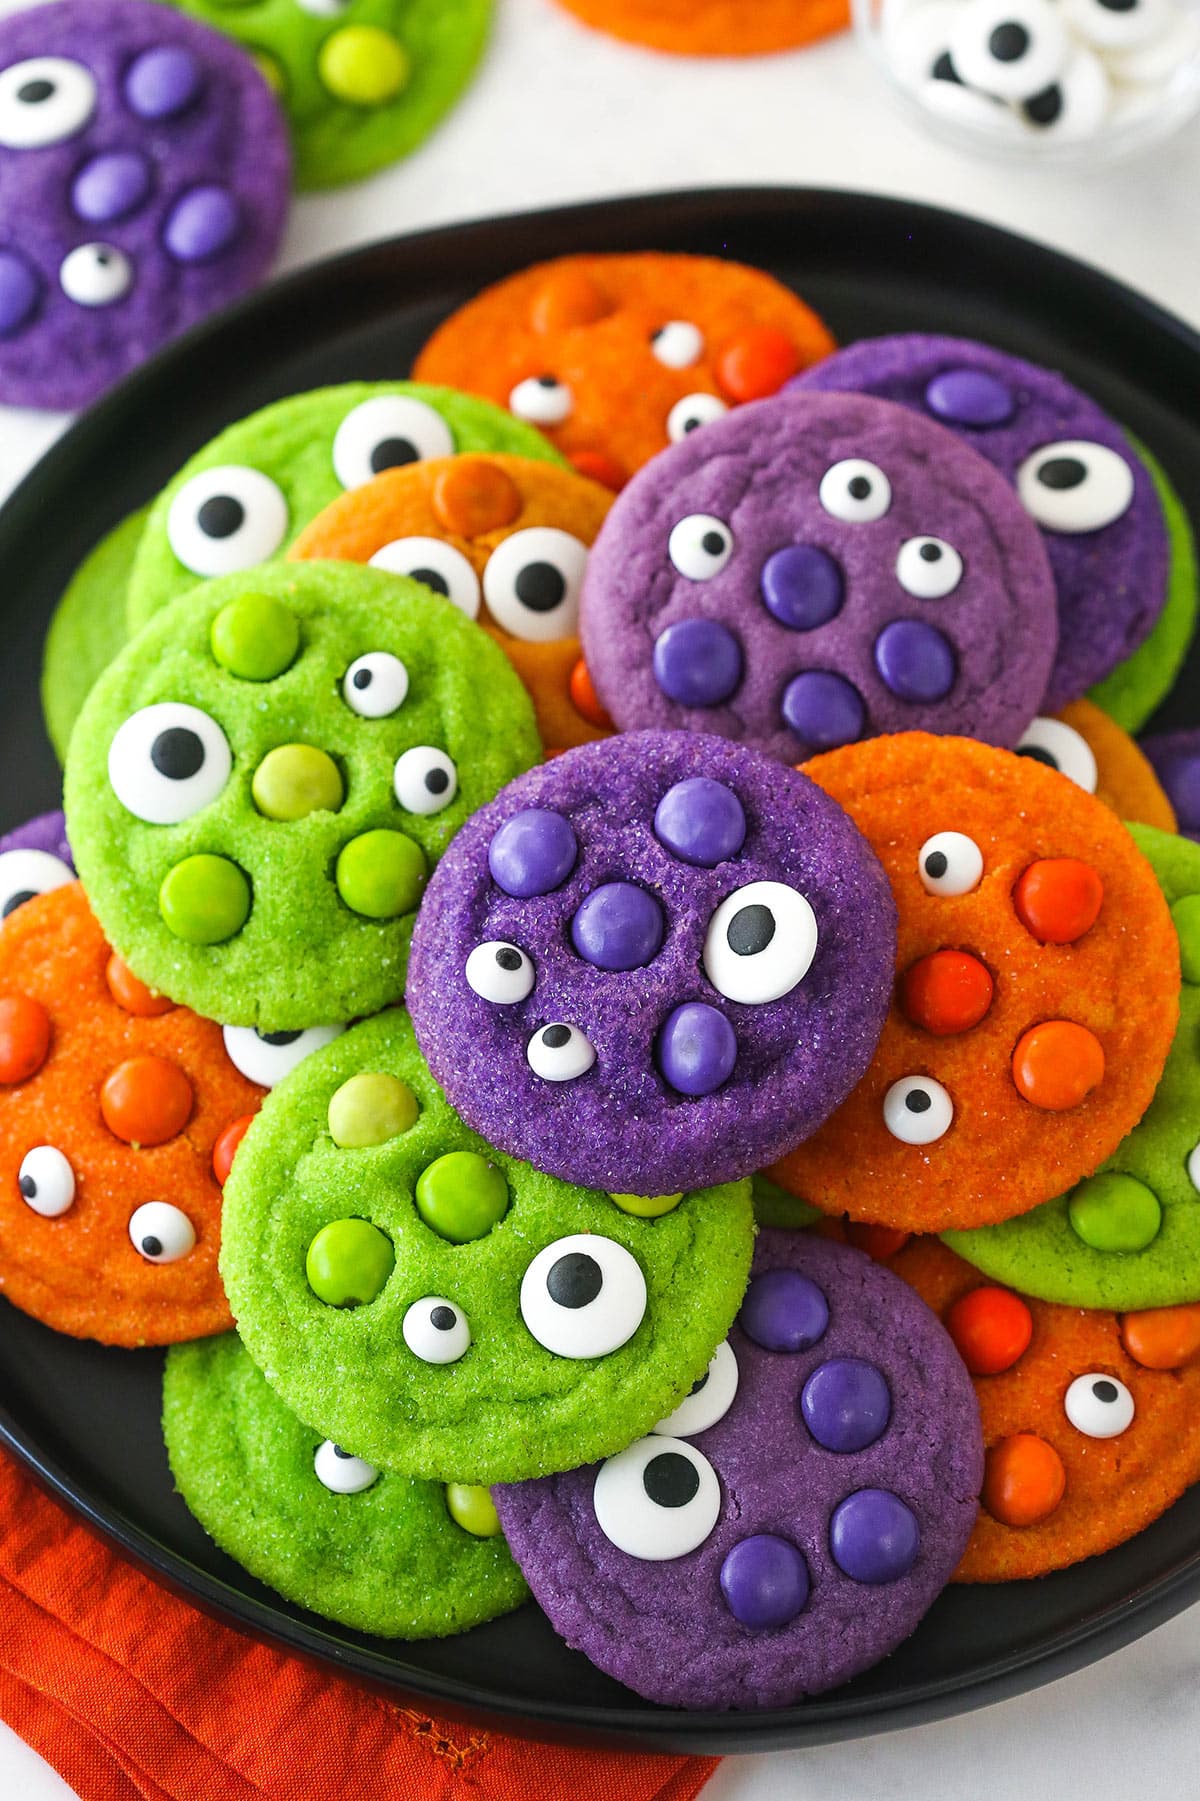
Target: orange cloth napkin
x=134, y=1696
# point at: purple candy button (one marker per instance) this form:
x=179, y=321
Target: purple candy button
x=697, y=1049
x=697, y=663
x=110, y=186
x=824, y=709
x=618, y=926
x=18, y=292
x=160, y=83
x=784, y=1311
x=802, y=587
x=846, y=1404
x=970, y=397
x=533, y=853
x=764, y=1580
x=874, y=1536
x=203, y=224
x=701, y=822
x=916, y=660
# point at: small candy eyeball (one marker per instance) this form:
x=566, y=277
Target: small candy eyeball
x=1009, y=49
x=541, y=400
x=917, y=1110
x=500, y=972
x=44, y=100
x=658, y=1500
x=1099, y=1406
x=375, y=685
x=436, y=565
x=96, y=275
x=386, y=433
x=678, y=344
x=690, y=413
x=760, y=943
x=707, y=1401
x=1118, y=27
x=700, y=546
x=167, y=762
x=928, y=568
x=436, y=1330
x=46, y=1181
x=559, y=1053
x=949, y=864
x=1075, y=486
x=341, y=1473
x=160, y=1232
x=425, y=780
x=266, y=1057
x=1059, y=746
x=855, y=491
x=583, y=1296
x=24, y=873
x=227, y=519
x=532, y=581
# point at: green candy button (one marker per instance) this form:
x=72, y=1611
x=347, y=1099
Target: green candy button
x=1111, y=1212
x=255, y=637
x=348, y=1263
x=204, y=900
x=462, y=1196
x=647, y=1206
x=381, y=874
x=1186, y=914
x=369, y=1109
x=472, y=1509
x=363, y=65
x=294, y=780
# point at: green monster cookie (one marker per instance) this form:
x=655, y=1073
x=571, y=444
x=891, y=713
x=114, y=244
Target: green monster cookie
x=88, y=628
x=383, y=1553
x=447, y=1310
x=1128, y=1237
x=259, y=785
x=243, y=499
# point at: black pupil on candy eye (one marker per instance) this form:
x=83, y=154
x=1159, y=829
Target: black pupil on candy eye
x=432, y=579
x=338, y=1452
x=363, y=678
x=437, y=781
x=944, y=70
x=930, y=553
x=1062, y=472
x=277, y=1037
x=713, y=543
x=1105, y=1391
x=1118, y=6
x=1045, y=107
x=936, y=864
x=177, y=753
x=221, y=516
x=670, y=1479
x=750, y=930
x=17, y=900
x=554, y=1037
x=547, y=381
x=34, y=92
x=858, y=487
x=28, y=1187
x=152, y=1247
x=693, y=424
x=1009, y=42
x=540, y=587
x=1038, y=755
x=443, y=1319
x=508, y=959
x=393, y=453
x=697, y=1386
x=574, y=1280
x=918, y=1101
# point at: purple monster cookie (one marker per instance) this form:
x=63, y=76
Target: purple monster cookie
x=790, y=1523
x=816, y=569
x=34, y=858
x=1074, y=469
x=647, y=963
x=144, y=182
x=1175, y=757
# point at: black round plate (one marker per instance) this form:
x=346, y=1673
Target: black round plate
x=87, y=1419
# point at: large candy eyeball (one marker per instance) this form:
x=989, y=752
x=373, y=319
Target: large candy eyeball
x=1118, y=26
x=161, y=1233
x=1009, y=48
x=425, y=779
x=1075, y=105
x=583, y=1296
x=167, y=762
x=24, y=873
x=499, y=972
x=928, y=568
x=436, y=1331
x=438, y=565
x=760, y=942
x=1061, y=747
x=227, y=519
x=46, y=1181
x=386, y=433
x=690, y=413
x=1074, y=486
x=917, y=1110
x=341, y=1473
x=700, y=546
x=541, y=400
x=96, y=275
x=709, y=1399
x=1099, y=1406
x=950, y=863
x=855, y=491
x=375, y=685
x=658, y=1500
x=559, y=1053
x=44, y=100
x=266, y=1057
x=678, y=344
x=532, y=582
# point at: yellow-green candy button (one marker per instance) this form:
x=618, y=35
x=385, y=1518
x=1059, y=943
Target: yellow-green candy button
x=647, y=1206
x=472, y=1509
x=255, y=637
x=1186, y=914
x=462, y=1196
x=363, y=65
x=294, y=780
x=381, y=874
x=204, y=900
x=1112, y=1212
x=369, y=1109
x=348, y=1263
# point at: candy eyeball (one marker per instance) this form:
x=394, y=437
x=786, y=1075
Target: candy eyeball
x=1009, y=48
x=917, y=1110
x=1061, y=747
x=532, y=583
x=949, y=864
x=325, y=9
x=436, y=565
x=583, y=1296
x=167, y=762
x=1120, y=26
x=690, y=413
x=658, y=1500
x=375, y=685
x=1099, y=1406
x=386, y=433
x=436, y=1331
x=678, y=344
x=541, y=400
x=1075, y=486
x=700, y=546
x=425, y=779
x=227, y=519
x=501, y=973
x=760, y=943
x=160, y=1232
x=96, y=275
x=855, y=491
x=46, y=1181
x=24, y=873
x=709, y=1399
x=44, y=100
x=266, y=1057
x=928, y=568
x=1076, y=103
x=559, y=1053
x=341, y=1473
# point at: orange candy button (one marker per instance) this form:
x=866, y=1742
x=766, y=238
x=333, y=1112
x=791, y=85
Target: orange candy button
x=598, y=466
x=1023, y=1480
x=946, y=992
x=756, y=363
x=472, y=496
x=146, y=1100
x=1163, y=1338
x=24, y=1037
x=879, y=1242
x=566, y=299
x=227, y=1144
x=1057, y=1064
x=584, y=698
x=991, y=1329
x=131, y=993
x=1058, y=899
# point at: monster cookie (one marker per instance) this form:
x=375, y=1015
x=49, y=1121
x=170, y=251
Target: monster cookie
x=112, y=1102
x=1175, y=757
x=88, y=629
x=1089, y=1419
x=1036, y=995
x=383, y=1553
x=652, y=960
x=790, y=1523
x=713, y=27
x=615, y=357
x=242, y=499
x=363, y=82
x=445, y=1310
x=507, y=541
x=1074, y=470
x=144, y=182
x=34, y=858
x=259, y=785
x=816, y=569
x=1084, y=743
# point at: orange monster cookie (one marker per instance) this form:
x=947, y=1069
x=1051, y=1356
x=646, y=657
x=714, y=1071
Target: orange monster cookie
x=505, y=539
x=1102, y=759
x=713, y=27
x=1037, y=989
x=112, y=1102
x=615, y=357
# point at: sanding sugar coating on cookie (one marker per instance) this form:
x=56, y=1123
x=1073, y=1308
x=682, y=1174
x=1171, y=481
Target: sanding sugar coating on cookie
x=1083, y=743
x=793, y=1520
x=713, y=27
x=651, y=960
x=507, y=540
x=112, y=1104
x=815, y=570
x=383, y=1553
x=1073, y=468
x=1176, y=758
x=1036, y=997
x=444, y=1309
x=87, y=628
x=34, y=858
x=615, y=357
x=144, y=182
x=259, y=785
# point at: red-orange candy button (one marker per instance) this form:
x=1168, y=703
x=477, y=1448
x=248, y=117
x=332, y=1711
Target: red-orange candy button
x=946, y=992
x=1056, y=1065
x=991, y=1329
x=146, y=1100
x=598, y=466
x=584, y=698
x=24, y=1037
x=879, y=1242
x=1023, y=1480
x=131, y=993
x=568, y=298
x=227, y=1144
x=472, y=496
x=1163, y=1338
x=756, y=363
x=1058, y=899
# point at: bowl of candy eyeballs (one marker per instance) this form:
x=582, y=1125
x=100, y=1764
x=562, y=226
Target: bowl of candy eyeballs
x=1066, y=82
